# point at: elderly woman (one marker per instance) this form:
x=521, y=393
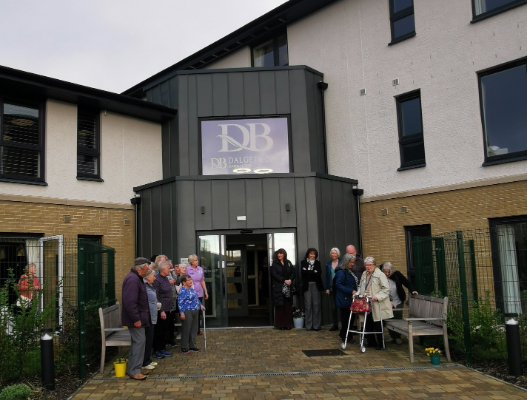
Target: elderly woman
x=282, y=273
x=345, y=287
x=164, y=296
x=189, y=307
x=149, y=330
x=374, y=284
x=198, y=281
x=311, y=287
x=331, y=265
x=397, y=295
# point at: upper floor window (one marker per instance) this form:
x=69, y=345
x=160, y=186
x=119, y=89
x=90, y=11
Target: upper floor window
x=402, y=20
x=88, y=145
x=487, y=8
x=271, y=53
x=503, y=93
x=410, y=121
x=22, y=142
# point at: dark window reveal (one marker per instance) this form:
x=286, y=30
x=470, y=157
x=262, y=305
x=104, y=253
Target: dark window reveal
x=402, y=20
x=88, y=145
x=271, y=53
x=486, y=8
x=21, y=144
x=410, y=123
x=504, y=113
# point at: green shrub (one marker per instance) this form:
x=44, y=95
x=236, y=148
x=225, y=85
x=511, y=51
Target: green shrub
x=15, y=392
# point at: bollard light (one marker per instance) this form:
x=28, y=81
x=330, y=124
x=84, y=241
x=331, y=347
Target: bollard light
x=512, y=329
x=46, y=359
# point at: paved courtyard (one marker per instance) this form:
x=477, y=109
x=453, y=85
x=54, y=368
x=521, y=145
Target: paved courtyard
x=269, y=364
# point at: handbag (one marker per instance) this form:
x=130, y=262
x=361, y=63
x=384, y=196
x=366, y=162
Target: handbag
x=286, y=290
x=360, y=305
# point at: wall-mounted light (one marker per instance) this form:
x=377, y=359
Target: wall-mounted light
x=357, y=192
x=404, y=210
x=127, y=221
x=202, y=209
x=384, y=211
x=67, y=218
x=288, y=207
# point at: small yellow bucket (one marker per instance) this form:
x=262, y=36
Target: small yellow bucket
x=120, y=367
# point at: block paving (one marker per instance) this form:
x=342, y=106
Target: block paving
x=269, y=364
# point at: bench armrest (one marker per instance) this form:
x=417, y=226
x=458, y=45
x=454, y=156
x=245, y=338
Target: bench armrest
x=424, y=319
x=115, y=329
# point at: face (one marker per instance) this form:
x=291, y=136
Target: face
x=387, y=272
x=32, y=270
x=194, y=262
x=280, y=256
x=351, y=264
x=165, y=271
x=183, y=270
x=369, y=267
x=311, y=255
x=143, y=270
x=151, y=278
x=334, y=255
x=188, y=283
x=176, y=269
x=351, y=250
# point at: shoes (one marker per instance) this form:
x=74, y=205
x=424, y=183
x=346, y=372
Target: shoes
x=390, y=340
x=165, y=353
x=194, y=349
x=158, y=355
x=334, y=328
x=178, y=337
x=185, y=351
x=398, y=341
x=172, y=343
x=145, y=372
x=380, y=348
x=148, y=367
x=288, y=329
x=200, y=333
x=315, y=329
x=153, y=363
x=138, y=377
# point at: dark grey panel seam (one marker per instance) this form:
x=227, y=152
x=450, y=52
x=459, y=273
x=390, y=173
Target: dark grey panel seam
x=341, y=371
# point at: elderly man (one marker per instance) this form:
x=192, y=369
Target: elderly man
x=359, y=262
x=164, y=296
x=136, y=316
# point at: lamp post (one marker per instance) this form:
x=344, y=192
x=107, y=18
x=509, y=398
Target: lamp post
x=46, y=359
x=512, y=329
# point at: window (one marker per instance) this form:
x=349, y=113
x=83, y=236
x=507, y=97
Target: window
x=410, y=123
x=271, y=53
x=412, y=232
x=485, y=8
x=21, y=142
x=503, y=95
x=402, y=20
x=88, y=145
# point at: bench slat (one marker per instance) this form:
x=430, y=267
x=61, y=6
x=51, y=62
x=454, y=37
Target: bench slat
x=112, y=331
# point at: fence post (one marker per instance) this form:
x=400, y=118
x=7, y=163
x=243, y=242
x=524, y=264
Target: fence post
x=473, y=269
x=111, y=277
x=464, y=297
x=81, y=304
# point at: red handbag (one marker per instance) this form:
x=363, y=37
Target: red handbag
x=360, y=305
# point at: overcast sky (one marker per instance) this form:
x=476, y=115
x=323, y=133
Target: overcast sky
x=114, y=44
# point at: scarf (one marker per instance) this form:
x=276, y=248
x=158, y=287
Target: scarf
x=310, y=264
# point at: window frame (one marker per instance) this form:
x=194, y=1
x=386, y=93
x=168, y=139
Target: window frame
x=81, y=150
x=495, y=11
x=394, y=17
x=276, y=56
x=41, y=147
x=416, y=138
x=503, y=158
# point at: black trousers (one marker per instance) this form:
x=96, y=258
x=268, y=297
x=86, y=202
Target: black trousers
x=200, y=316
x=372, y=326
x=149, y=334
x=160, y=333
x=171, y=316
x=334, y=310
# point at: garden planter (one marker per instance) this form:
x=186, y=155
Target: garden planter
x=298, y=322
x=120, y=368
x=435, y=359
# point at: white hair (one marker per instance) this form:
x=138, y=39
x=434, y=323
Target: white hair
x=389, y=266
x=337, y=250
x=369, y=259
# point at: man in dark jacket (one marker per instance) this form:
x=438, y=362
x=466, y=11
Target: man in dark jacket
x=136, y=316
x=359, y=267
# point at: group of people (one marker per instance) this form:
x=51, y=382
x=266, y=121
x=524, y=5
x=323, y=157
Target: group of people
x=154, y=295
x=345, y=278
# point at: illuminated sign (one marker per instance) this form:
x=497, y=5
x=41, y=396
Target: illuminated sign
x=245, y=146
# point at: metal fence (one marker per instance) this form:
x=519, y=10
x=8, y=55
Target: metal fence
x=484, y=274
x=72, y=278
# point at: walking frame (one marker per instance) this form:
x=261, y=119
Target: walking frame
x=204, y=329
x=363, y=332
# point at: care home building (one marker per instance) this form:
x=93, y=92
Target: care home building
x=417, y=107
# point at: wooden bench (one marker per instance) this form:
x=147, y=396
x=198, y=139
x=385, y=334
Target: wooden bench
x=426, y=317
x=112, y=331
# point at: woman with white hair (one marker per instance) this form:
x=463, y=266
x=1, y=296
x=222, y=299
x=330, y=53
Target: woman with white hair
x=397, y=295
x=333, y=263
x=198, y=281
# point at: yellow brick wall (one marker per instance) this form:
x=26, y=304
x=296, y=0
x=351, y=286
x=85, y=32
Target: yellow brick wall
x=383, y=237
x=48, y=219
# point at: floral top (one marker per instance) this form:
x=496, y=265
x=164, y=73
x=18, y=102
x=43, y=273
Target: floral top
x=188, y=300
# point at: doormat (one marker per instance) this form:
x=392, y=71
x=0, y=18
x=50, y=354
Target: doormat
x=324, y=353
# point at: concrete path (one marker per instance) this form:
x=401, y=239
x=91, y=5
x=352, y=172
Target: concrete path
x=270, y=364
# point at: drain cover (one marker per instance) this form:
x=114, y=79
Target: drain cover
x=324, y=353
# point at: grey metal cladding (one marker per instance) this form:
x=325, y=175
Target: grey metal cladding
x=254, y=198
x=220, y=95
x=197, y=89
x=165, y=93
x=299, y=121
x=157, y=219
x=183, y=113
x=220, y=204
x=235, y=91
x=185, y=218
x=267, y=93
x=203, y=196
x=251, y=89
x=204, y=94
x=237, y=203
x=271, y=202
x=283, y=105
x=167, y=212
x=287, y=196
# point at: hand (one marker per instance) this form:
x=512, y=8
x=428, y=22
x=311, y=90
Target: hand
x=327, y=291
x=414, y=292
x=137, y=324
x=206, y=296
x=202, y=308
x=374, y=298
x=163, y=315
x=288, y=282
x=391, y=302
x=172, y=281
x=304, y=269
x=353, y=293
x=182, y=316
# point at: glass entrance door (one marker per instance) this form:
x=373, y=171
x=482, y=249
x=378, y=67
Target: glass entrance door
x=237, y=298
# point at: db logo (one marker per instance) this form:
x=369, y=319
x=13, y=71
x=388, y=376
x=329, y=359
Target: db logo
x=249, y=138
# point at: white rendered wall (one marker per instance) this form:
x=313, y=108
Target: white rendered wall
x=348, y=42
x=238, y=59
x=130, y=156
